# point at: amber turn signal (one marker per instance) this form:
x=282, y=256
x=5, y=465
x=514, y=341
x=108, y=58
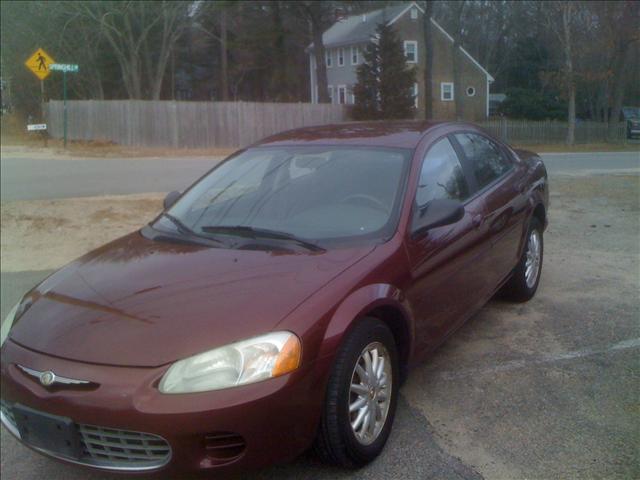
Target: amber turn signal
x=289, y=357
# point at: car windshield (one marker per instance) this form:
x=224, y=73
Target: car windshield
x=631, y=112
x=314, y=194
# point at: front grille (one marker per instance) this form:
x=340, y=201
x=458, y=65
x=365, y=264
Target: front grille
x=111, y=448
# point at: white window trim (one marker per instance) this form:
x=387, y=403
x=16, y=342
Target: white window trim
x=341, y=57
x=416, y=93
x=472, y=94
x=442, y=85
x=415, y=50
x=344, y=89
x=330, y=89
x=414, y=12
x=355, y=49
x=328, y=58
x=352, y=98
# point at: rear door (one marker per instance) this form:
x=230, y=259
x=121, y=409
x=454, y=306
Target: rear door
x=500, y=183
x=447, y=284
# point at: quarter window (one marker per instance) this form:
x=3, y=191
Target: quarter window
x=441, y=175
x=487, y=159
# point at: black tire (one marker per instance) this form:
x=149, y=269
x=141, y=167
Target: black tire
x=336, y=443
x=517, y=289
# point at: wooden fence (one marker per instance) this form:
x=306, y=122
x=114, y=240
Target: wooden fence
x=530, y=132
x=184, y=124
x=237, y=124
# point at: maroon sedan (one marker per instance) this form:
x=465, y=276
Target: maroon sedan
x=277, y=303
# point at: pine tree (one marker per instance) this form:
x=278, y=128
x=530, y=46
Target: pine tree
x=385, y=81
x=366, y=90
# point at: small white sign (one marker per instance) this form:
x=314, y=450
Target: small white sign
x=36, y=126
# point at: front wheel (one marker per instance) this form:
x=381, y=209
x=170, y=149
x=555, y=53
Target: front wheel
x=361, y=397
x=525, y=279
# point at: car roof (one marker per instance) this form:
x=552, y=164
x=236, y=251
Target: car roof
x=393, y=134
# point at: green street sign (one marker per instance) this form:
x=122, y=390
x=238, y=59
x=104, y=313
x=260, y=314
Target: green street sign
x=64, y=67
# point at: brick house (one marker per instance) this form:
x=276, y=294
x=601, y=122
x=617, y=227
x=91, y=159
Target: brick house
x=346, y=40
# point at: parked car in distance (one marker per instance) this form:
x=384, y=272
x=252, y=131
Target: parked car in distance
x=631, y=116
x=277, y=303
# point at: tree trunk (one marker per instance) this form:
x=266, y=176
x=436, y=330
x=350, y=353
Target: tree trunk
x=571, y=86
x=224, y=67
x=617, y=96
x=321, y=67
x=457, y=83
x=429, y=114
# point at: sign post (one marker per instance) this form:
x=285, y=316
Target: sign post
x=39, y=64
x=64, y=68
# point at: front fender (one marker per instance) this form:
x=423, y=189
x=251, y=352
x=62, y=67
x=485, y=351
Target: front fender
x=358, y=304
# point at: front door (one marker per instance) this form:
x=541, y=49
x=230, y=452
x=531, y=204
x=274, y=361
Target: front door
x=447, y=283
x=500, y=183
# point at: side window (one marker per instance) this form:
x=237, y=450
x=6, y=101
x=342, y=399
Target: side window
x=441, y=175
x=487, y=159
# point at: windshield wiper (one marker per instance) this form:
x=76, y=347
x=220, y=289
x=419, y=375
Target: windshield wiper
x=253, y=232
x=182, y=228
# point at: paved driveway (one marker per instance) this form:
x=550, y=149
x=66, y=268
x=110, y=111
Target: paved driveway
x=547, y=389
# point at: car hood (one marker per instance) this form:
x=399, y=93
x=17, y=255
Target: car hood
x=138, y=302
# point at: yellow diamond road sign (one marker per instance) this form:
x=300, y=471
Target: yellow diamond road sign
x=39, y=63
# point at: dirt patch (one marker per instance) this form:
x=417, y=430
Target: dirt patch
x=97, y=150
x=46, y=234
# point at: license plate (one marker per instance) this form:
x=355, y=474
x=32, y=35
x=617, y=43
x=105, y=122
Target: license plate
x=55, y=434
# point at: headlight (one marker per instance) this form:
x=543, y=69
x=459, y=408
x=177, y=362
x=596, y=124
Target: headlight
x=8, y=323
x=239, y=363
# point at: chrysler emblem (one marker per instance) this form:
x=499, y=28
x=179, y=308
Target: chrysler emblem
x=47, y=378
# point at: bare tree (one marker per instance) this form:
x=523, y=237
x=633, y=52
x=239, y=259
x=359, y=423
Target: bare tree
x=319, y=15
x=428, y=60
x=141, y=36
x=559, y=19
x=623, y=22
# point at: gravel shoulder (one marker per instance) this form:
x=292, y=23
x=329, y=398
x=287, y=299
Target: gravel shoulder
x=47, y=234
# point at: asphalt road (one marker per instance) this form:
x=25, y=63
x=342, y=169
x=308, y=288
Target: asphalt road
x=24, y=178
x=547, y=389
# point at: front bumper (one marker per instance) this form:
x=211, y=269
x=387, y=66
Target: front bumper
x=267, y=422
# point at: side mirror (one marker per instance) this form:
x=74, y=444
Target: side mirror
x=437, y=213
x=170, y=199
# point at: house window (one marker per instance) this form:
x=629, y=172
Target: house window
x=415, y=95
x=330, y=88
x=446, y=91
x=352, y=97
x=355, y=55
x=411, y=51
x=414, y=13
x=471, y=91
x=327, y=55
x=342, y=94
x=341, y=57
